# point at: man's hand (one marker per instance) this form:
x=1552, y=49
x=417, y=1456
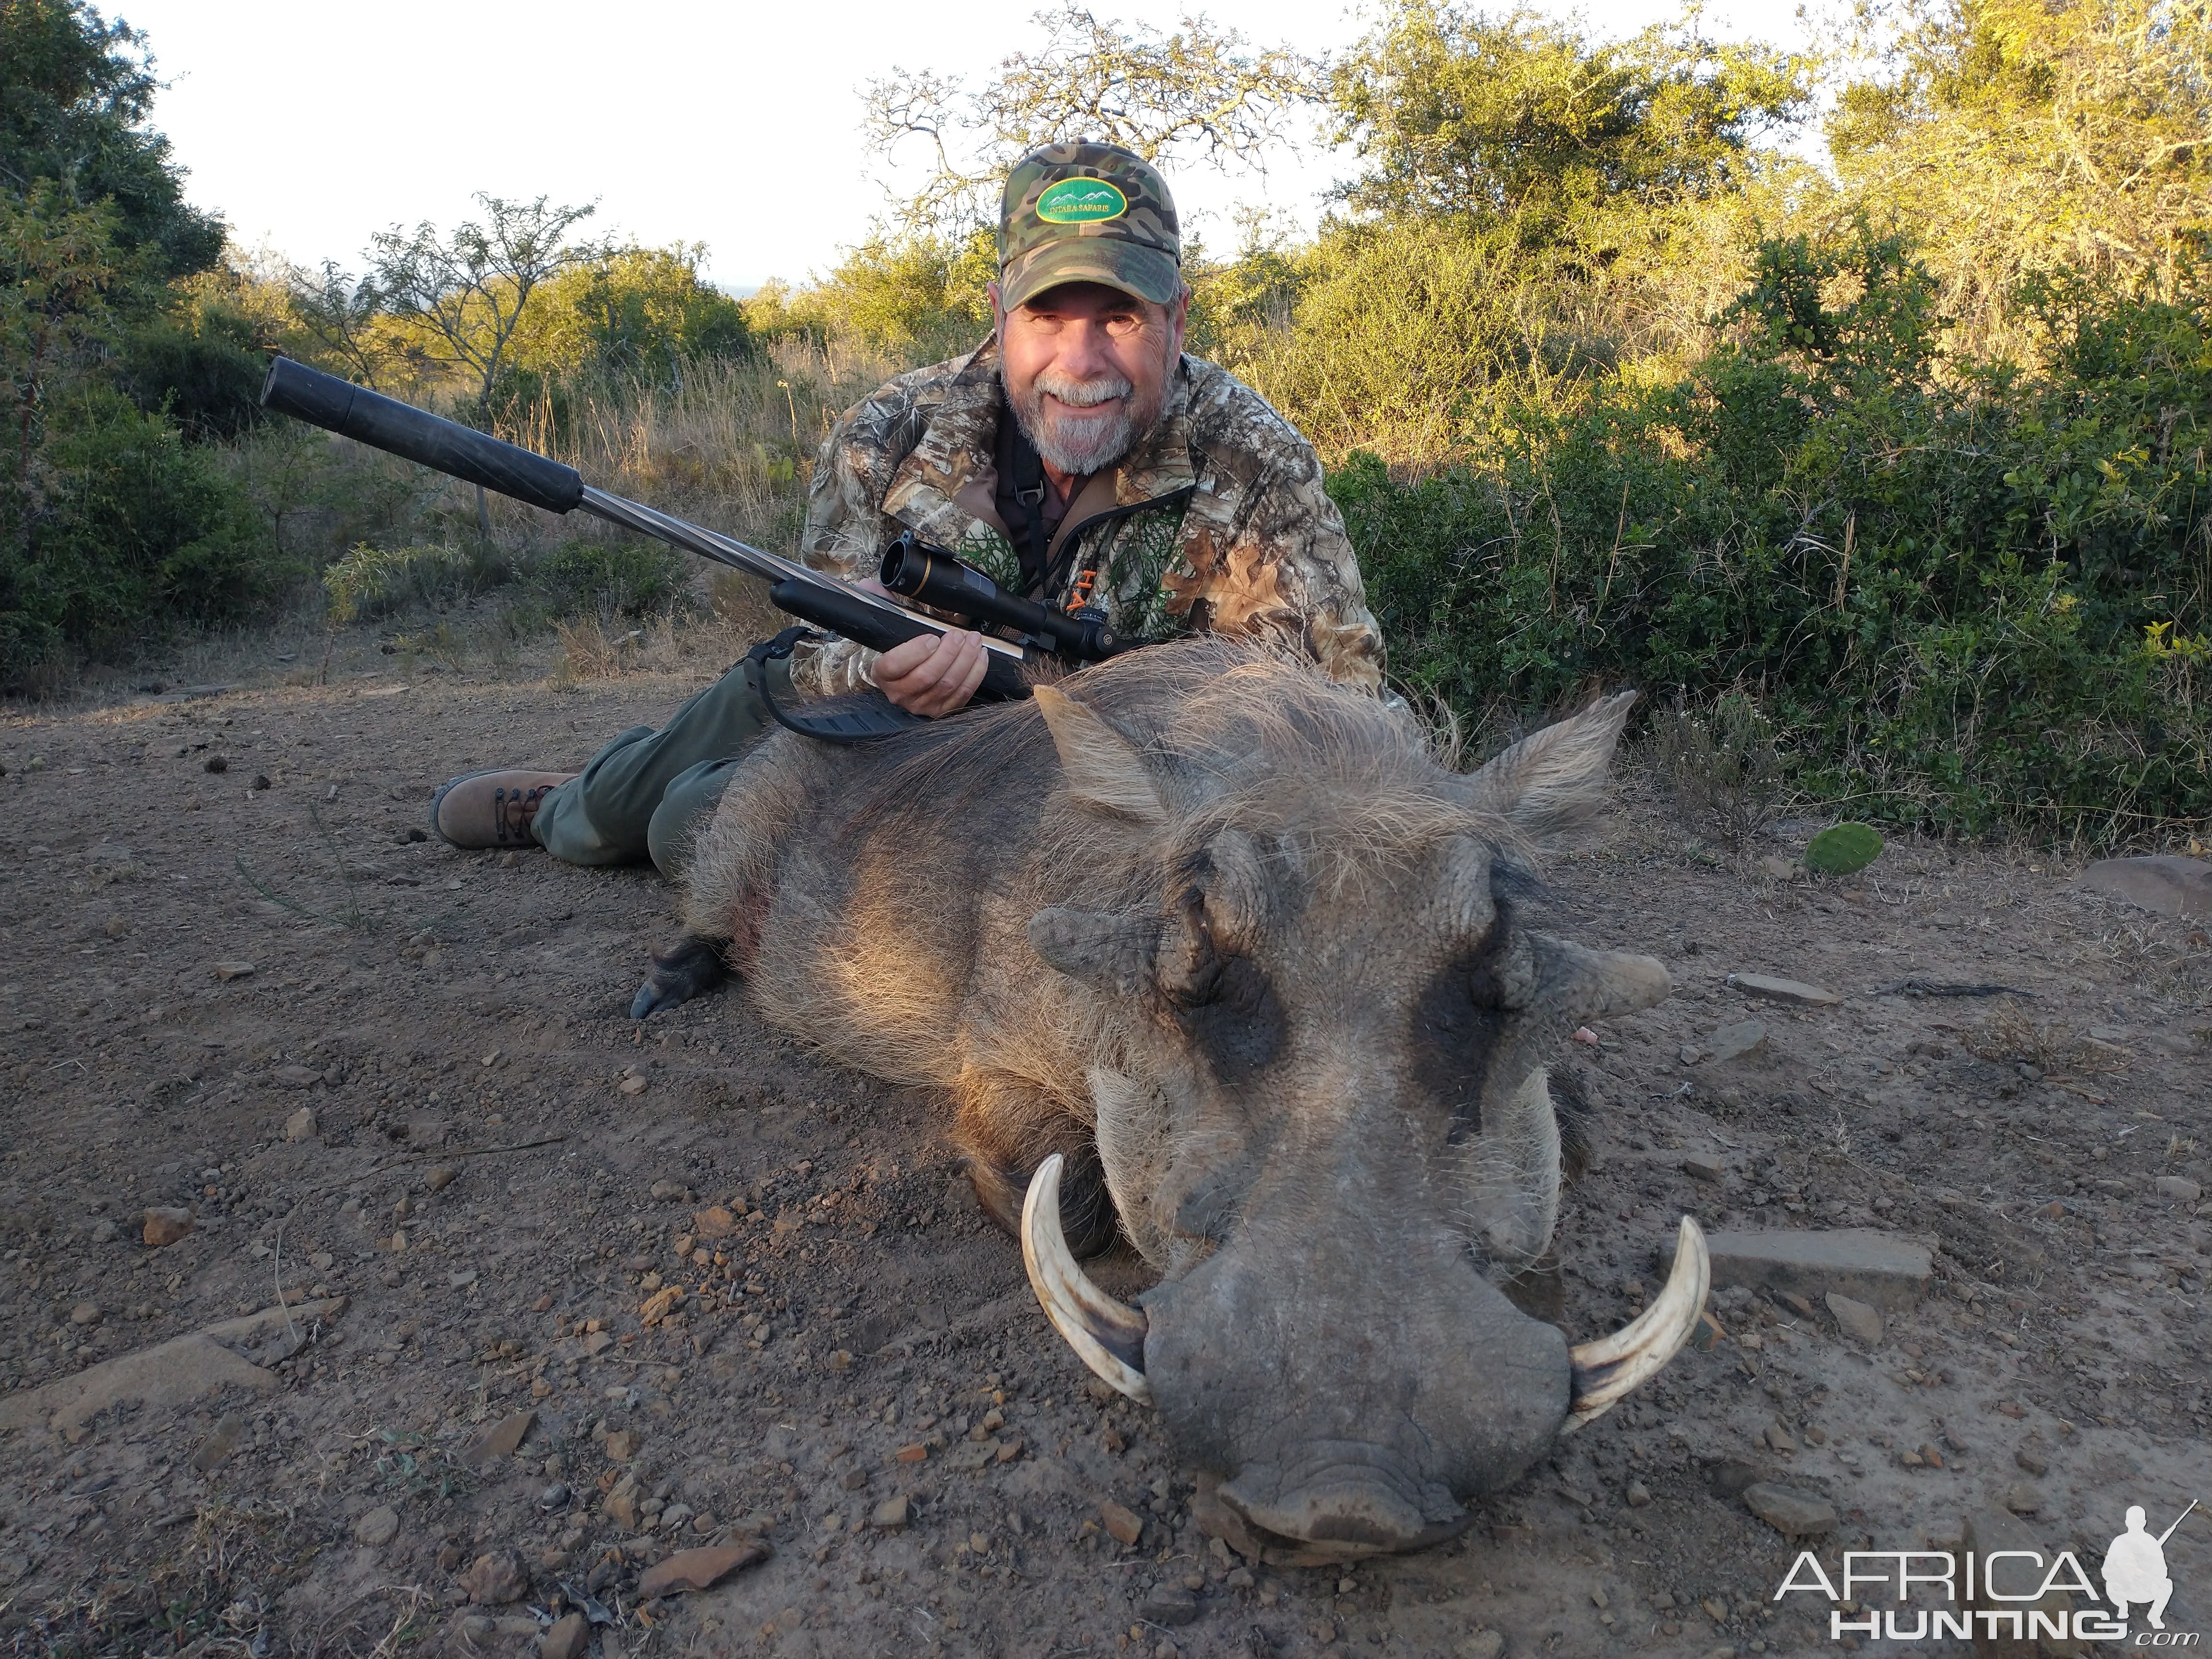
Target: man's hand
x=933, y=674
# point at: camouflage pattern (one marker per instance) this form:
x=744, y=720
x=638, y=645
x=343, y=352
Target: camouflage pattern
x=1123, y=234
x=1214, y=521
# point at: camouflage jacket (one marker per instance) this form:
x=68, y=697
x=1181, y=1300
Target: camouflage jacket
x=1216, y=520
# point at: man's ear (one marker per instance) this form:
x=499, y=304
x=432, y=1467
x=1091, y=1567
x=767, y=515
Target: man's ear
x=998, y=313
x=1104, y=770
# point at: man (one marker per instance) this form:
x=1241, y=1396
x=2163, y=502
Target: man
x=1077, y=457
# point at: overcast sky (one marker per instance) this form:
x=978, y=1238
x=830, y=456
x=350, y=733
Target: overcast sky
x=311, y=126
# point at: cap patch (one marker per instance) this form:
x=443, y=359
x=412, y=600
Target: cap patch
x=1081, y=202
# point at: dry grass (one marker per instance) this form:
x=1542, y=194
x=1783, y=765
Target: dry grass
x=732, y=446
x=1719, y=765
x=2012, y=1033
x=590, y=651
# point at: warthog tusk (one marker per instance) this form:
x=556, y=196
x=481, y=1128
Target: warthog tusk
x=1106, y=1335
x=1608, y=1368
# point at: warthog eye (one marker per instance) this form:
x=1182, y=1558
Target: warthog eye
x=1237, y=1023
x=1499, y=973
x=1456, y=1026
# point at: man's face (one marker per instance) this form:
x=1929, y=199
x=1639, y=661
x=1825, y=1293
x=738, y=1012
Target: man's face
x=1086, y=369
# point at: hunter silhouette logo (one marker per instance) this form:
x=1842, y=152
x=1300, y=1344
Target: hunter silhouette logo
x=2135, y=1567
x=1081, y=202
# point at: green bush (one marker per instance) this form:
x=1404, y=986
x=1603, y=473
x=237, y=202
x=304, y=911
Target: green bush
x=584, y=578
x=373, y=582
x=132, y=532
x=920, y=297
x=1969, y=595
x=200, y=365
x=603, y=331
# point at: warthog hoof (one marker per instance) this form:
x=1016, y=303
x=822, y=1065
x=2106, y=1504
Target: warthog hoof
x=690, y=968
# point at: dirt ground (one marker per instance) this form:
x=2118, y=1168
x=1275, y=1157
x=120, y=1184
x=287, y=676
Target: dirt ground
x=497, y=1166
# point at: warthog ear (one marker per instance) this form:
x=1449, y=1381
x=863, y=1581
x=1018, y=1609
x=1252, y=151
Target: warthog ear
x=1113, y=952
x=1553, y=781
x=1103, y=768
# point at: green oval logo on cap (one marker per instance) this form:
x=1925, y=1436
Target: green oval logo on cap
x=1081, y=202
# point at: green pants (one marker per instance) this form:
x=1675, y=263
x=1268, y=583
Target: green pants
x=648, y=793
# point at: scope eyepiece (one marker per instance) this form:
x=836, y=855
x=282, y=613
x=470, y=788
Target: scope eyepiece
x=914, y=569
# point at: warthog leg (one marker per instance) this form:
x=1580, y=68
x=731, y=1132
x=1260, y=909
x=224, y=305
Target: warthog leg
x=691, y=967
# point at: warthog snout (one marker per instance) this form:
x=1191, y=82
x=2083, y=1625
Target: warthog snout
x=1378, y=1402
x=1382, y=1403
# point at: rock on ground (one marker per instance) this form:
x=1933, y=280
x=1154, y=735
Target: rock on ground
x=1737, y=1041
x=569, y=1636
x=378, y=1528
x=175, y=1373
x=500, y=1440
x=496, y=1578
x=1769, y=988
x=697, y=1570
x=1994, y=1532
x=2171, y=886
x=166, y=1225
x=1856, y=1319
x=1168, y=1604
x=1878, y=1269
x=1792, y=1513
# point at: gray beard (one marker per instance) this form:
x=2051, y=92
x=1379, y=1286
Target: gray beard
x=1081, y=447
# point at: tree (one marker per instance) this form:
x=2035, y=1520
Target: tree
x=58, y=262
x=1197, y=94
x=1522, y=122
x=467, y=293
x=75, y=92
x=338, y=312
x=2017, y=138
x=632, y=313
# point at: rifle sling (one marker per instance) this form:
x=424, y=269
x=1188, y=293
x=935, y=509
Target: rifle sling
x=861, y=717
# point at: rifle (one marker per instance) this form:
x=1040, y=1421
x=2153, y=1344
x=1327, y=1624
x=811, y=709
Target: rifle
x=909, y=566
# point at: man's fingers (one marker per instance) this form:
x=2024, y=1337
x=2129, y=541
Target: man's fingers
x=978, y=666
x=904, y=658
x=942, y=670
x=933, y=675
x=954, y=671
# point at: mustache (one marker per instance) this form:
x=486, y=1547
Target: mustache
x=1082, y=394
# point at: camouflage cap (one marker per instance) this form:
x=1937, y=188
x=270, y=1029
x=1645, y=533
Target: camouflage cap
x=1087, y=213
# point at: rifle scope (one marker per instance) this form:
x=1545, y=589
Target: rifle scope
x=916, y=570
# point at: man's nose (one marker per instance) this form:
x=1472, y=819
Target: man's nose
x=1085, y=350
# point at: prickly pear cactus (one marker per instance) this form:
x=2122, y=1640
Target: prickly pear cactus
x=1843, y=850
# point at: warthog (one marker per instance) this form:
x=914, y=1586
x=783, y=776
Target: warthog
x=1216, y=953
